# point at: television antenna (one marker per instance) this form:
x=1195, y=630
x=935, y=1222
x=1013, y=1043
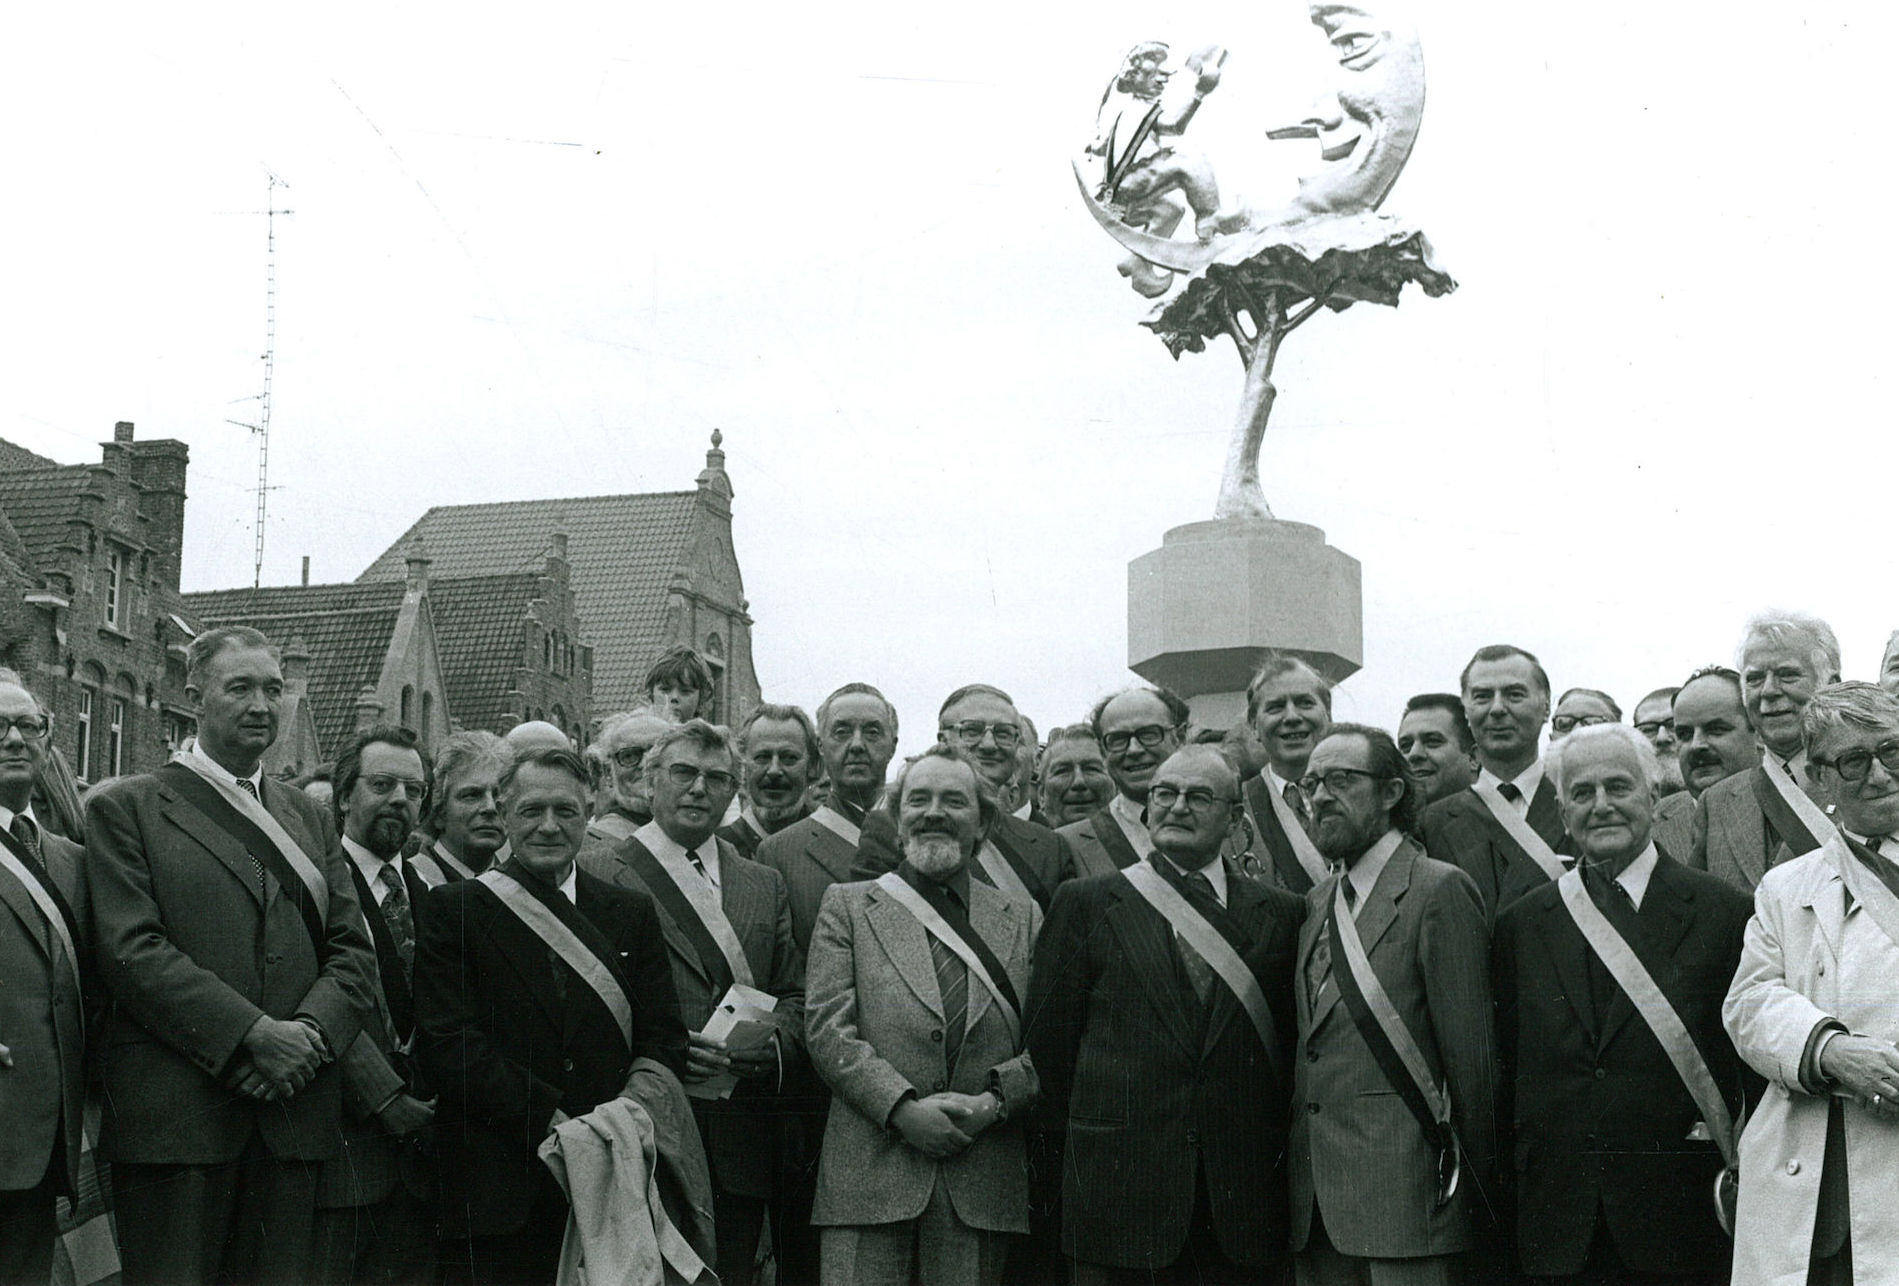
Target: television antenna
x=261, y=429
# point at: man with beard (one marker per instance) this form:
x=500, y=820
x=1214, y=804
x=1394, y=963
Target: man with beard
x=1709, y=726
x=1766, y=815
x=623, y=743
x=1393, y=971
x=1505, y=829
x=915, y=1023
x=1161, y=1021
x=778, y=749
x=1074, y=772
x=1654, y=718
x=727, y=921
x=1138, y=728
x=1290, y=704
x=464, y=809
x=1439, y=751
x=982, y=724
x=373, y=1222
x=229, y=936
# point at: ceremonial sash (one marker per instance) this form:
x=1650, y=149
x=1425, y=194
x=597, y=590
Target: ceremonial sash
x=566, y=944
x=1795, y=819
x=693, y=904
x=14, y=863
x=614, y=826
x=970, y=950
x=1851, y=860
x=839, y=825
x=1303, y=850
x=1211, y=946
x=1518, y=828
x=1031, y=883
x=1107, y=829
x=1001, y=871
x=248, y=822
x=437, y=868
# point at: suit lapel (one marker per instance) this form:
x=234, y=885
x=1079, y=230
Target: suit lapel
x=213, y=838
x=1753, y=857
x=22, y=904
x=677, y=942
x=1149, y=942
x=738, y=898
x=830, y=854
x=1569, y=953
x=1664, y=917
x=992, y=920
x=1309, y=931
x=1242, y=902
x=907, y=945
x=533, y=961
x=1544, y=817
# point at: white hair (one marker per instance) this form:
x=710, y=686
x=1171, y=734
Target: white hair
x=1813, y=636
x=1556, y=758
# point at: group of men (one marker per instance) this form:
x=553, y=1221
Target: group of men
x=1300, y=999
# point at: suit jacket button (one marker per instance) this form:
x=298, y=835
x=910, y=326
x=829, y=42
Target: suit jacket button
x=1600, y=1073
x=1312, y=1109
x=567, y=1064
x=940, y=1087
x=937, y=1036
x=1793, y=1167
x=1312, y=1055
x=272, y=959
x=1193, y=1137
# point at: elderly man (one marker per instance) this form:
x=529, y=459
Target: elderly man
x=536, y=986
x=230, y=939
x=1161, y=1019
x=1762, y=817
x=679, y=686
x=1889, y=665
x=1812, y=1010
x=916, y=1024
x=536, y=734
x=623, y=744
x=726, y=920
x=1505, y=830
x=778, y=752
x=1138, y=728
x=45, y=951
x=1654, y=718
x=1439, y=751
x=1617, y=1156
x=1582, y=708
x=1393, y=973
x=465, y=809
x=1074, y=778
x=1713, y=742
x=1290, y=706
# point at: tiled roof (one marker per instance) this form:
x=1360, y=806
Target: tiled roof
x=621, y=554
x=13, y=555
x=40, y=503
x=478, y=634
x=346, y=628
x=13, y=456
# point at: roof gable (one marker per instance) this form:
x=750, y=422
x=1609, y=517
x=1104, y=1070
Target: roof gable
x=41, y=505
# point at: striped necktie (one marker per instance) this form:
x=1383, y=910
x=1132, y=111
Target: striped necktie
x=249, y=787
x=952, y=982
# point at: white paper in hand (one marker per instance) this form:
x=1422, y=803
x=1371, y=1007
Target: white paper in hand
x=742, y=1020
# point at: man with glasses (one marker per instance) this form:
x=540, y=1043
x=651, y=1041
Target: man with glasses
x=44, y=953
x=778, y=751
x=1654, y=718
x=726, y=920
x=1582, y=708
x=624, y=742
x=1160, y=1018
x=1290, y=705
x=1811, y=1009
x=1766, y=815
x=1377, y=1193
x=1505, y=830
x=1138, y=728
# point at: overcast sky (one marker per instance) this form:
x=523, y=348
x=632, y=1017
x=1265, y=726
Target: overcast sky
x=544, y=252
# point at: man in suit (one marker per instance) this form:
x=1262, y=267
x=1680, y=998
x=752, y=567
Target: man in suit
x=536, y=987
x=1289, y=704
x=43, y=974
x=1582, y=708
x=1811, y=1009
x=857, y=736
x=726, y=919
x=1371, y=1201
x=915, y=1020
x=464, y=811
x=231, y=944
x=1713, y=742
x=373, y=1221
x=1506, y=697
x=1173, y=1092
x=778, y=750
x=982, y=724
x=1615, y=1162
x=1074, y=780
x=1744, y=825
x=1138, y=728
x=1435, y=739
x=1654, y=718
x=623, y=744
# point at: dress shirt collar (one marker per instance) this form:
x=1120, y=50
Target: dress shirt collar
x=1365, y=871
x=1128, y=814
x=1278, y=784
x=371, y=867
x=1028, y=806
x=571, y=885
x=7, y=815
x=1795, y=767
x=1635, y=876
x=1215, y=871
x=1526, y=781
x=1886, y=846
x=225, y=775
x=662, y=846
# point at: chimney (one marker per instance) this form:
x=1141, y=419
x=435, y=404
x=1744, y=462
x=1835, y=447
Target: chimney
x=368, y=708
x=122, y=431
x=306, y=571
x=158, y=469
x=418, y=563
x=296, y=663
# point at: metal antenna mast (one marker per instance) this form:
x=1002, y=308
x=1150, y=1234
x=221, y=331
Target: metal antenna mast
x=261, y=429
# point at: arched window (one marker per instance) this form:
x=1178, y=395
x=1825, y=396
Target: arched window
x=428, y=711
x=408, y=705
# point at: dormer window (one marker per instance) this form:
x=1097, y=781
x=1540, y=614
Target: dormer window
x=117, y=582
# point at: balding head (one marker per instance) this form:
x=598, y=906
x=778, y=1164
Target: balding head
x=525, y=738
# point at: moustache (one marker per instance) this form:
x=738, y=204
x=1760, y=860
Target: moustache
x=1700, y=759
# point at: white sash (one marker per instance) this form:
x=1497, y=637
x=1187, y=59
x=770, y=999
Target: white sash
x=1811, y=815
x=704, y=900
x=939, y=928
x=839, y=825
x=1379, y=1002
x=614, y=826
x=1207, y=943
x=1302, y=846
x=259, y=816
x=1138, y=837
x=1868, y=889
x=1000, y=873
x=435, y=864
x=1518, y=828
x=566, y=944
x=48, y=908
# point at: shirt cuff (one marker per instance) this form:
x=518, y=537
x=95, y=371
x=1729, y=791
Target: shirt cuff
x=1002, y=1100
x=1812, y=1079
x=322, y=1040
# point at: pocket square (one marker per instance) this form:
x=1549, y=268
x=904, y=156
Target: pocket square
x=1701, y=1133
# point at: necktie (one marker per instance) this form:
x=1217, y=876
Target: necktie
x=1615, y=904
x=1199, y=972
x=692, y=855
x=1296, y=800
x=1319, y=966
x=24, y=831
x=398, y=916
x=952, y=982
x=1508, y=789
x=249, y=787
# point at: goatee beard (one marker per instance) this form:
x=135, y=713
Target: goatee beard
x=933, y=854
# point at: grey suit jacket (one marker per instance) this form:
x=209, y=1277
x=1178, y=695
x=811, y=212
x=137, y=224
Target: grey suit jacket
x=1674, y=829
x=812, y=857
x=1092, y=857
x=1356, y=1149
x=42, y=1022
x=875, y=1030
x=1731, y=835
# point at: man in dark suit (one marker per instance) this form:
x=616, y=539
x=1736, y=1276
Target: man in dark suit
x=514, y=1035
x=1506, y=701
x=1138, y=729
x=1438, y=748
x=230, y=941
x=373, y=1219
x=725, y=920
x=1371, y=1200
x=778, y=752
x=464, y=812
x=1175, y=1101
x=1615, y=1162
x=43, y=972
x=1289, y=705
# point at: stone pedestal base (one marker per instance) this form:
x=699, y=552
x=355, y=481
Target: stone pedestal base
x=1205, y=607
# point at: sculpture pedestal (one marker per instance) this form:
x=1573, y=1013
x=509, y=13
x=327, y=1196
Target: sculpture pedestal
x=1205, y=607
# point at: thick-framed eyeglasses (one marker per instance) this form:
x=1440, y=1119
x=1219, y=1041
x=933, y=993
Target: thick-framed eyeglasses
x=971, y=732
x=1149, y=737
x=628, y=757
x=382, y=787
x=1568, y=723
x=31, y=727
x=716, y=779
x=1652, y=728
x=1855, y=764
x=1335, y=780
x=1197, y=800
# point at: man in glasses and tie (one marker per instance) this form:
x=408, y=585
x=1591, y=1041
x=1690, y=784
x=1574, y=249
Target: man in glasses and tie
x=43, y=941
x=1137, y=729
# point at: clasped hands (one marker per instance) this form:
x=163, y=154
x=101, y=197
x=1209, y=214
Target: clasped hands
x=1866, y=1068
x=946, y=1122
x=707, y=1056
x=277, y=1058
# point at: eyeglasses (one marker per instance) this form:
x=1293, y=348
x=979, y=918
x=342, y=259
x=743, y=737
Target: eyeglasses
x=628, y=757
x=1150, y=736
x=1197, y=800
x=971, y=732
x=382, y=787
x=1335, y=780
x=684, y=775
x=1567, y=723
x=1855, y=764
x=31, y=727
x=1653, y=728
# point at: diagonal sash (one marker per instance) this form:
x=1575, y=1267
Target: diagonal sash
x=690, y=900
x=839, y=825
x=614, y=826
x=437, y=867
x=1796, y=820
x=1303, y=850
x=1211, y=946
x=1518, y=828
x=248, y=822
x=1866, y=886
x=566, y=944
x=43, y=898
x=1001, y=871
x=1107, y=829
x=939, y=928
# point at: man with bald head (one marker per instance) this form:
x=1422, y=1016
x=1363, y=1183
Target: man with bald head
x=1290, y=705
x=536, y=734
x=1761, y=818
x=1138, y=728
x=623, y=744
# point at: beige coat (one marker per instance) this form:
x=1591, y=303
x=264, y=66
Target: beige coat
x=1807, y=958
